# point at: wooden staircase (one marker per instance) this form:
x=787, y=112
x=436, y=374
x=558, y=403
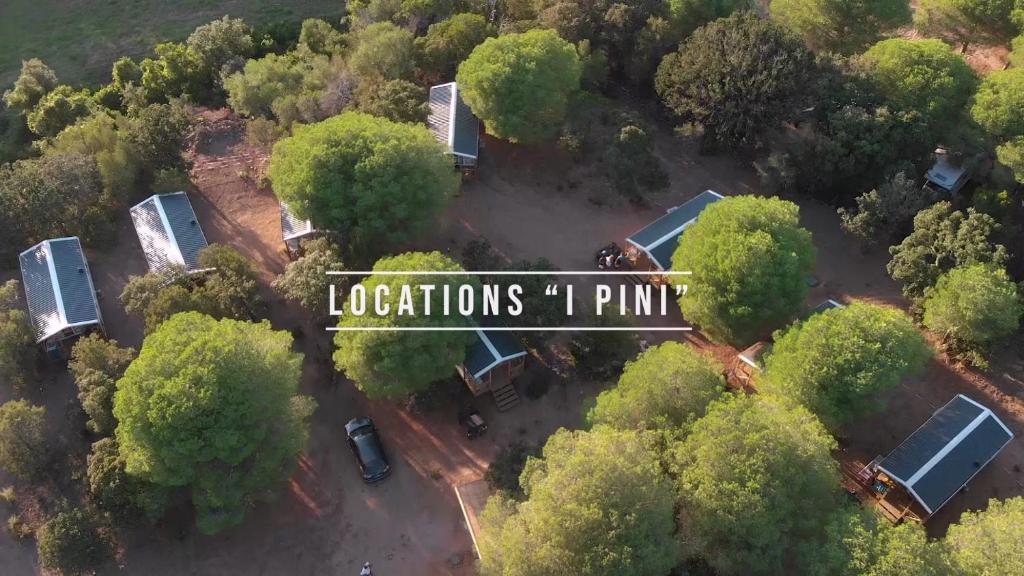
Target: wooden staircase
x=505, y=397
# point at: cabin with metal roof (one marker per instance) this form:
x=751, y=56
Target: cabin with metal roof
x=651, y=248
x=169, y=232
x=938, y=460
x=492, y=362
x=59, y=291
x=453, y=124
x=945, y=177
x=294, y=230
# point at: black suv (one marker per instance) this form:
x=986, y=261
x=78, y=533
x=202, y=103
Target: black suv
x=365, y=444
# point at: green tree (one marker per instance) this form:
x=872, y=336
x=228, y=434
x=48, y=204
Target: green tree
x=35, y=81
x=175, y=72
x=987, y=543
x=755, y=478
x=16, y=338
x=838, y=363
x=320, y=37
x=688, y=15
x=857, y=542
x=212, y=405
x=631, y=164
x=884, y=214
x=965, y=21
x=24, y=447
x=72, y=542
x=921, y=75
x=113, y=490
x=973, y=307
x=96, y=365
x=217, y=44
x=305, y=280
x=58, y=109
x=750, y=261
x=998, y=106
x=597, y=503
x=382, y=51
x=943, y=239
x=159, y=133
x=668, y=387
x=52, y=196
x=1011, y=155
x=448, y=42
x=846, y=26
x=395, y=100
x=397, y=363
x=519, y=84
x=736, y=78
x=377, y=183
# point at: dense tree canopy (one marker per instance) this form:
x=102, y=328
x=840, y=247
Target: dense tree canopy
x=58, y=109
x=72, y=542
x=35, y=81
x=965, y=21
x=24, y=446
x=519, y=84
x=688, y=15
x=212, y=405
x=226, y=289
x=943, y=239
x=755, y=478
x=16, y=338
x=97, y=364
x=987, y=543
x=597, y=503
x=667, y=388
x=448, y=42
x=750, y=261
x=382, y=51
x=845, y=26
x=859, y=542
x=305, y=279
x=838, y=363
x=921, y=75
x=999, y=104
x=377, y=183
x=395, y=100
x=884, y=215
x=395, y=364
x=973, y=306
x=736, y=78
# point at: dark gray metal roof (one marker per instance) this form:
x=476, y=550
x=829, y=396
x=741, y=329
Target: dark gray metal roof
x=292, y=226
x=169, y=232
x=58, y=287
x=660, y=238
x=491, y=349
x=452, y=122
x=826, y=305
x=942, y=456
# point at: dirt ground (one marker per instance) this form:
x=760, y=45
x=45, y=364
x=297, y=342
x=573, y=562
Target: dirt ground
x=528, y=203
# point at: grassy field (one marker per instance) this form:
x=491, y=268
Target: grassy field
x=80, y=39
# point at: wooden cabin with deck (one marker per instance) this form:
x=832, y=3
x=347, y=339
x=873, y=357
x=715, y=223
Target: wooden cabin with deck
x=751, y=359
x=934, y=463
x=651, y=248
x=169, y=233
x=492, y=363
x=453, y=124
x=59, y=292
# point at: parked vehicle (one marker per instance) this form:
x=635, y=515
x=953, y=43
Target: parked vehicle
x=473, y=421
x=365, y=443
